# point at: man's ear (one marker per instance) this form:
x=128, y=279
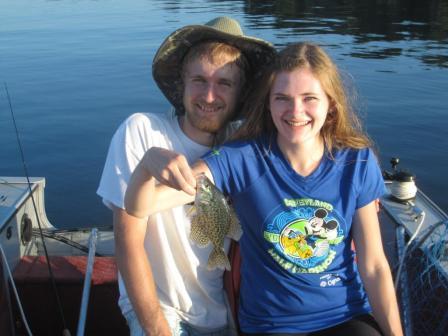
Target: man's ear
x=180, y=87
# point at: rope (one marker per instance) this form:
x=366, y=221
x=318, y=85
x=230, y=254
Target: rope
x=403, y=257
x=403, y=190
x=65, y=240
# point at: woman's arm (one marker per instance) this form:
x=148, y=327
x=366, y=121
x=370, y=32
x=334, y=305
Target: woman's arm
x=144, y=197
x=375, y=270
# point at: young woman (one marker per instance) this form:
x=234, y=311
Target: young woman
x=303, y=181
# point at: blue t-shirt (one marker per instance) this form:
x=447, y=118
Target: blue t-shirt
x=298, y=272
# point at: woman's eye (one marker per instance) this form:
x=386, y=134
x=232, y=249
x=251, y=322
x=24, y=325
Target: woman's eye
x=310, y=98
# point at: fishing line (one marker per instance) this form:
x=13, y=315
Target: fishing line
x=50, y=270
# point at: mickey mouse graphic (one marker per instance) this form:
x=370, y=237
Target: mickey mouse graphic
x=318, y=228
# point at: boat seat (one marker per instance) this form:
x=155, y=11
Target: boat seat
x=66, y=269
x=38, y=300
x=232, y=280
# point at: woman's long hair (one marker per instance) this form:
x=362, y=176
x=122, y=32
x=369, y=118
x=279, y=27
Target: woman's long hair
x=342, y=128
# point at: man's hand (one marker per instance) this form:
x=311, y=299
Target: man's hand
x=159, y=326
x=170, y=168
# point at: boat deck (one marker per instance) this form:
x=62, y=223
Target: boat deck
x=422, y=293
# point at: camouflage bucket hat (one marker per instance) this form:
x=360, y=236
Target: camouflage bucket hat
x=167, y=63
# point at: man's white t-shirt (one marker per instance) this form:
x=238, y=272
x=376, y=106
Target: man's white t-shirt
x=184, y=285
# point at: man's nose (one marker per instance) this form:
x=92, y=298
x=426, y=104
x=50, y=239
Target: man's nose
x=210, y=93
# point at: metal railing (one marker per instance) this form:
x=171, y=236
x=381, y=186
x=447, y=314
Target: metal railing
x=87, y=282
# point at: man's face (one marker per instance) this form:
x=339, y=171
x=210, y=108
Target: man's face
x=210, y=94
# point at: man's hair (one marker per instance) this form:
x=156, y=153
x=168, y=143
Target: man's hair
x=216, y=52
x=342, y=128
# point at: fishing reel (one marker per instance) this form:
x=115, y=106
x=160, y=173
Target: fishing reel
x=402, y=186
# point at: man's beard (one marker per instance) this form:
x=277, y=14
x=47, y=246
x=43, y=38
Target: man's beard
x=205, y=124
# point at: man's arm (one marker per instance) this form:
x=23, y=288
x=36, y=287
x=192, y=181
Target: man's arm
x=130, y=231
x=143, y=198
x=136, y=271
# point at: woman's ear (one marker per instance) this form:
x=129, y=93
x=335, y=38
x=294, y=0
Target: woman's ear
x=331, y=106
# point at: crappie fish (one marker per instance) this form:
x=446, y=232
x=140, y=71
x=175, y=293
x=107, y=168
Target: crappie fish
x=213, y=219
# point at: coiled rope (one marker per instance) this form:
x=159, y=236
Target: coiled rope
x=403, y=190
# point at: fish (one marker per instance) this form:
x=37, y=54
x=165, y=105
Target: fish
x=212, y=220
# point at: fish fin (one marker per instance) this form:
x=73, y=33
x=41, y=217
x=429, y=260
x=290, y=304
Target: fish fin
x=218, y=259
x=192, y=211
x=197, y=235
x=235, y=230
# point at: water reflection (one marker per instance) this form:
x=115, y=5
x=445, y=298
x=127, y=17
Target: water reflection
x=76, y=69
x=367, y=22
x=403, y=23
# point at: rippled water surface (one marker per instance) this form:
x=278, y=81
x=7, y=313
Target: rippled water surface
x=75, y=69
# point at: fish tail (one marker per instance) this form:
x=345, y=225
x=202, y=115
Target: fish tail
x=218, y=259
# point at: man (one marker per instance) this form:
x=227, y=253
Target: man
x=165, y=287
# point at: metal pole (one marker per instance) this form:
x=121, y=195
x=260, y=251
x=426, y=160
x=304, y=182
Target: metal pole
x=403, y=281
x=87, y=282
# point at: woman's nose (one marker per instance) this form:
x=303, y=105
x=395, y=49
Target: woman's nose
x=297, y=106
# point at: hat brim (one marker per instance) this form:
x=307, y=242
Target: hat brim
x=167, y=63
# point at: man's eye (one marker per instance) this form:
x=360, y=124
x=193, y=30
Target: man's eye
x=226, y=84
x=281, y=98
x=198, y=80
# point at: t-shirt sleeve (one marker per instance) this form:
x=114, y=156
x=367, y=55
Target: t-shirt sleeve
x=372, y=186
x=218, y=162
x=125, y=151
x=237, y=165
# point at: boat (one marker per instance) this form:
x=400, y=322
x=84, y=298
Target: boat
x=79, y=293
x=415, y=238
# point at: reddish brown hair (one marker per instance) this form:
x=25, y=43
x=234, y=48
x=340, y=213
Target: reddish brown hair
x=342, y=128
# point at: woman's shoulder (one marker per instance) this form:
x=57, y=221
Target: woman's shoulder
x=238, y=150
x=246, y=145
x=349, y=159
x=354, y=153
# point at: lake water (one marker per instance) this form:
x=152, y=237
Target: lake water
x=76, y=68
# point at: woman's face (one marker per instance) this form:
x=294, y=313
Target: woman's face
x=298, y=107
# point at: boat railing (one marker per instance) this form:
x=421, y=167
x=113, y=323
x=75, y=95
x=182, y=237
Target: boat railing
x=87, y=282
